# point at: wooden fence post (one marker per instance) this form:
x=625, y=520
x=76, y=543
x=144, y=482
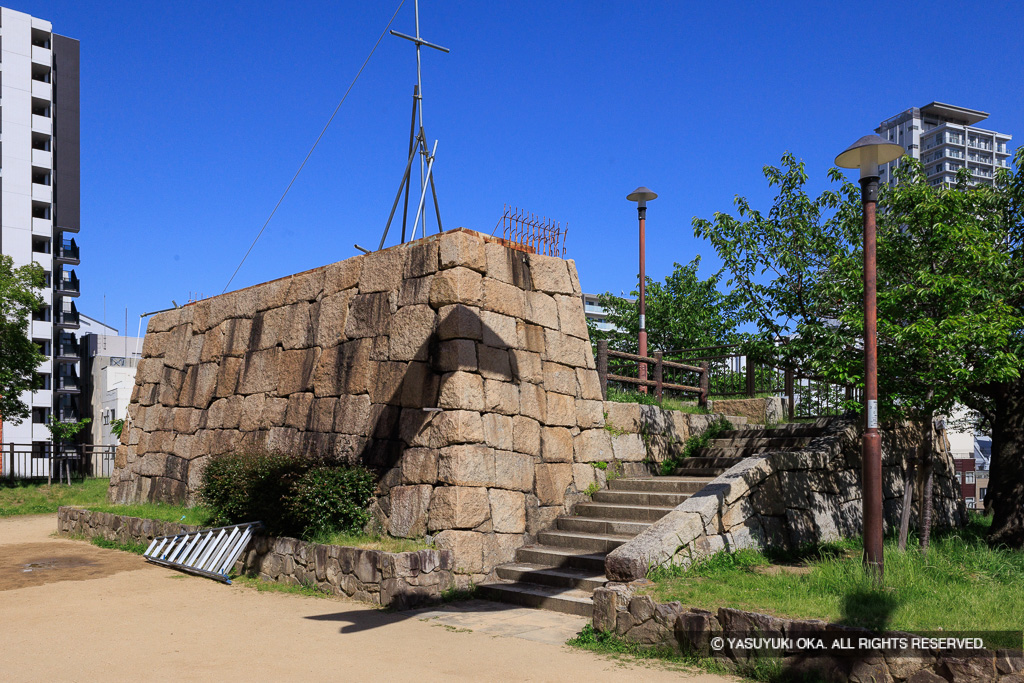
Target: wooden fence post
x=658, y=375
x=705, y=384
x=602, y=366
x=789, y=391
x=750, y=377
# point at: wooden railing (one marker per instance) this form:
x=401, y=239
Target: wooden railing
x=659, y=365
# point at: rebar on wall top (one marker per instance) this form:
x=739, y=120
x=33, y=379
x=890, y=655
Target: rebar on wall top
x=531, y=233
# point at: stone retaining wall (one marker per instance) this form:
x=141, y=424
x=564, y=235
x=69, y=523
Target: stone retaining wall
x=763, y=411
x=622, y=610
x=785, y=499
x=398, y=580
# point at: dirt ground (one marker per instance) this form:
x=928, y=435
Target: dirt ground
x=70, y=611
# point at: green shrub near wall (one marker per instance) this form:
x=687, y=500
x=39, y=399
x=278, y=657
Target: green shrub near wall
x=291, y=495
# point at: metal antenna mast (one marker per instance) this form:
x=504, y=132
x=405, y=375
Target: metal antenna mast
x=417, y=144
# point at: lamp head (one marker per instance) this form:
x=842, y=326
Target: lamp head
x=641, y=196
x=868, y=154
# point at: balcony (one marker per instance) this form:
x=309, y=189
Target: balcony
x=42, y=124
x=67, y=384
x=67, y=252
x=42, y=55
x=43, y=91
x=67, y=348
x=67, y=318
x=68, y=284
x=42, y=158
x=42, y=193
x=42, y=226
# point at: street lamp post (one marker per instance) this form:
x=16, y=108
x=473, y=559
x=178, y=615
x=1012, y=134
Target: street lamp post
x=641, y=196
x=866, y=154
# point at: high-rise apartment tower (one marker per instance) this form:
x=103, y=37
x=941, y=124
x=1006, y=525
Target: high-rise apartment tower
x=945, y=139
x=39, y=199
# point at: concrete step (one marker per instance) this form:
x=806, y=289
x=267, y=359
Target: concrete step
x=791, y=429
x=559, y=577
x=576, y=540
x=708, y=461
x=632, y=513
x=711, y=472
x=567, y=601
x=640, y=498
x=552, y=556
x=739, y=451
x=658, y=484
x=772, y=442
x=593, y=525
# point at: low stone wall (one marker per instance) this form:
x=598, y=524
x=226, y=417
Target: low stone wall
x=762, y=411
x=785, y=500
x=619, y=609
x=397, y=580
x=650, y=434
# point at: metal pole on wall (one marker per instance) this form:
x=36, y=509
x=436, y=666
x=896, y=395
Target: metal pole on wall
x=641, y=196
x=866, y=154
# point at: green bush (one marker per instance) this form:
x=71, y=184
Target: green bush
x=329, y=499
x=291, y=495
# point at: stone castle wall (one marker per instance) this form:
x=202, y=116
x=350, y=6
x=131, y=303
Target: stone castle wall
x=459, y=369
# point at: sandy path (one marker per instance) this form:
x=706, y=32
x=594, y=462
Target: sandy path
x=127, y=620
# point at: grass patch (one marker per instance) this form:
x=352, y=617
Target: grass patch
x=388, y=544
x=453, y=594
x=21, y=498
x=668, y=403
x=307, y=589
x=197, y=516
x=136, y=548
x=695, y=443
x=961, y=585
x=615, y=647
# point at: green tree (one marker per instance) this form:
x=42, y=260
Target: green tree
x=19, y=358
x=60, y=433
x=950, y=318
x=683, y=312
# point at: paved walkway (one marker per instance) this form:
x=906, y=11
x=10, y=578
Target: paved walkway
x=92, y=614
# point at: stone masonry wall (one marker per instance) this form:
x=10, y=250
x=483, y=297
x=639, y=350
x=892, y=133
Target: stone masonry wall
x=785, y=499
x=624, y=609
x=459, y=369
x=397, y=580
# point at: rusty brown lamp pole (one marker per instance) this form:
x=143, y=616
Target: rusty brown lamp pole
x=641, y=196
x=866, y=154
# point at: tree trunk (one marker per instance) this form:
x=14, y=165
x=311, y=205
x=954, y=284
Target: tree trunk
x=1006, y=486
x=908, y=501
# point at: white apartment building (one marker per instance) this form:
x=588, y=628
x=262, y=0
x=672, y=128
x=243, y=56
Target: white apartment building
x=108, y=377
x=945, y=139
x=39, y=199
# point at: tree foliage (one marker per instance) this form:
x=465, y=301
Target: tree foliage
x=683, y=312
x=950, y=273
x=19, y=356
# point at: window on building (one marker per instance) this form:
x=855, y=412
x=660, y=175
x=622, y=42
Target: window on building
x=969, y=502
x=968, y=477
x=983, y=492
x=958, y=479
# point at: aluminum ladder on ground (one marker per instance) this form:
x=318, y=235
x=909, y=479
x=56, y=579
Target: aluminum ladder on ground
x=207, y=552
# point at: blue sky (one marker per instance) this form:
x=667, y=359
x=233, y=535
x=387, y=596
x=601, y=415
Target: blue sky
x=196, y=115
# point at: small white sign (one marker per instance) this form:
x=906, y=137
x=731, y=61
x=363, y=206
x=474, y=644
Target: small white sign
x=872, y=414
x=643, y=322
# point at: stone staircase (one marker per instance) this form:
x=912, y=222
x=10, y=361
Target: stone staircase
x=561, y=570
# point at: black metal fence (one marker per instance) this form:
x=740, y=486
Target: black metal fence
x=732, y=374
x=42, y=461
